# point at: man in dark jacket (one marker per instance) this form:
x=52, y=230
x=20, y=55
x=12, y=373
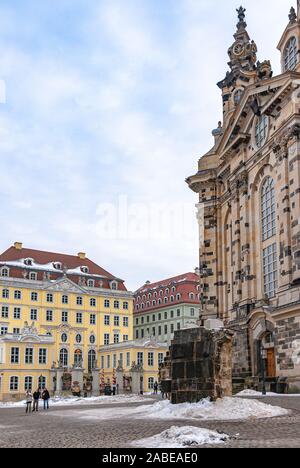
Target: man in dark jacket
x=36, y=398
x=46, y=398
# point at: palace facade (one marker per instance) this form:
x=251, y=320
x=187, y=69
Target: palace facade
x=249, y=208
x=168, y=305
x=56, y=311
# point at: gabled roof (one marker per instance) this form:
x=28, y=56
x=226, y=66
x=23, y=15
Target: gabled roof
x=187, y=277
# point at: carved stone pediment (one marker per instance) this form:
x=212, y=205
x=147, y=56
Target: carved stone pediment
x=65, y=285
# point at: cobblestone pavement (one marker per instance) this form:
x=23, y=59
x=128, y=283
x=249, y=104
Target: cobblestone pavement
x=54, y=429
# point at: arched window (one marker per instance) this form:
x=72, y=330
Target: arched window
x=91, y=360
x=268, y=209
x=261, y=130
x=64, y=357
x=78, y=357
x=5, y=272
x=91, y=283
x=290, y=55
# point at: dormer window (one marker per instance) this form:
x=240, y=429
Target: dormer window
x=28, y=261
x=4, y=272
x=85, y=269
x=57, y=265
x=114, y=285
x=33, y=276
x=290, y=55
x=91, y=283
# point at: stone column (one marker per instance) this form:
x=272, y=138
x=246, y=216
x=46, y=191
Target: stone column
x=59, y=384
x=96, y=382
x=120, y=380
x=137, y=373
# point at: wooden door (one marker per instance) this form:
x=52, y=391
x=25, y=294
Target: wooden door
x=271, y=363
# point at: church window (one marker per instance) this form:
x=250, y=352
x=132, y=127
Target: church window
x=261, y=130
x=270, y=270
x=290, y=55
x=268, y=207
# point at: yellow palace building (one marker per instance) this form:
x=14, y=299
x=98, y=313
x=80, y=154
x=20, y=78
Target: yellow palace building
x=56, y=311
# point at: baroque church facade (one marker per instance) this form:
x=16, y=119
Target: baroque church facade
x=249, y=209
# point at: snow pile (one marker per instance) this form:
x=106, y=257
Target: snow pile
x=255, y=394
x=227, y=409
x=182, y=437
x=78, y=401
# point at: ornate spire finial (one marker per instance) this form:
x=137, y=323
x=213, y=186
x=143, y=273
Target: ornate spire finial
x=293, y=15
x=241, y=16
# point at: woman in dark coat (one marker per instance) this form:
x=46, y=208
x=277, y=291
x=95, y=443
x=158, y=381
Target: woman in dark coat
x=46, y=398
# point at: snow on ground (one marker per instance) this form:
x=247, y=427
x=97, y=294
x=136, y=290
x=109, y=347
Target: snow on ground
x=182, y=437
x=226, y=409
x=256, y=394
x=77, y=401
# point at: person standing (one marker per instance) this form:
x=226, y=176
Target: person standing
x=114, y=388
x=36, y=398
x=46, y=398
x=28, y=401
x=155, y=388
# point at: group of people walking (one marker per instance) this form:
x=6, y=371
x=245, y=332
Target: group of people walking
x=33, y=399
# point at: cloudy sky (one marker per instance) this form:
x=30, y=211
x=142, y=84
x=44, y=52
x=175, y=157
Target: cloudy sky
x=106, y=107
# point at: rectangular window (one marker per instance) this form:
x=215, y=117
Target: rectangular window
x=172, y=328
x=79, y=301
x=142, y=333
x=178, y=312
x=136, y=334
x=108, y=362
x=121, y=359
x=136, y=321
x=34, y=297
x=166, y=329
x=5, y=293
x=114, y=361
x=192, y=312
x=18, y=295
x=150, y=359
x=160, y=358
x=143, y=320
x=107, y=304
x=116, y=321
x=49, y=316
x=92, y=319
x=79, y=318
x=93, y=302
x=29, y=356
x=125, y=305
x=140, y=359
x=153, y=331
x=17, y=313
x=3, y=331
x=172, y=314
x=50, y=298
x=270, y=270
x=117, y=305
x=42, y=356
x=65, y=299
x=5, y=312
x=102, y=362
x=16, y=331
x=116, y=338
x=159, y=331
x=128, y=363
x=14, y=355
x=106, y=339
x=125, y=337
x=28, y=384
x=107, y=320
x=178, y=326
x=151, y=383
x=14, y=384
x=34, y=315
x=64, y=316
x=126, y=322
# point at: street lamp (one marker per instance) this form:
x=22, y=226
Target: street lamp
x=263, y=369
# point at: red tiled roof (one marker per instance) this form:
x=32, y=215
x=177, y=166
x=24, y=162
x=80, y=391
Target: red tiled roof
x=188, y=277
x=70, y=262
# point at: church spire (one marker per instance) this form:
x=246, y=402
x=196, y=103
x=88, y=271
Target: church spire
x=242, y=53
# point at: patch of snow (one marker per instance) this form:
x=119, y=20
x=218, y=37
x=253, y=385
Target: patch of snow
x=254, y=393
x=78, y=401
x=222, y=410
x=182, y=437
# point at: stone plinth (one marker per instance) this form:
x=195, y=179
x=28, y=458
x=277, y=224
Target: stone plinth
x=201, y=365
x=96, y=382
